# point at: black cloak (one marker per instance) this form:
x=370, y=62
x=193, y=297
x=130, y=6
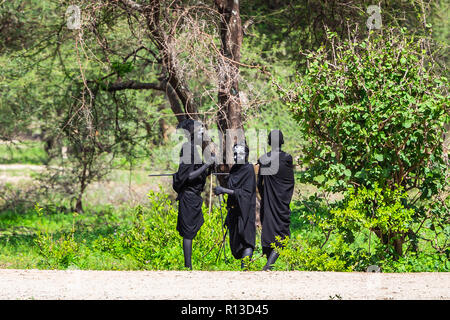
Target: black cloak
x=276, y=189
x=241, y=208
x=190, y=215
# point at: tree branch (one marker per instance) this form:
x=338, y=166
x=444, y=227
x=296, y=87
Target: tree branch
x=134, y=85
x=162, y=86
x=132, y=5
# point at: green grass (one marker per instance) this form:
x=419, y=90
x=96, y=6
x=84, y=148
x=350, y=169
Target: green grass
x=110, y=238
x=19, y=230
x=24, y=152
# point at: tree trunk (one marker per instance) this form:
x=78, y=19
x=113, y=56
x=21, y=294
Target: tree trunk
x=83, y=185
x=79, y=204
x=230, y=110
x=395, y=239
x=168, y=58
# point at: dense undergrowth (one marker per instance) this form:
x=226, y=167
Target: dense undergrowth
x=144, y=237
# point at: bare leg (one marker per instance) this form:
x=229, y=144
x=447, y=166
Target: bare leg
x=248, y=252
x=271, y=260
x=187, y=250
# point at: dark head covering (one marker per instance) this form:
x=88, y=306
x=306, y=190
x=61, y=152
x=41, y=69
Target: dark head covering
x=276, y=138
x=189, y=125
x=190, y=216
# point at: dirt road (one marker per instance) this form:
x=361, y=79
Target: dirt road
x=80, y=285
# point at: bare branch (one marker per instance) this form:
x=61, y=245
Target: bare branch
x=131, y=5
x=135, y=86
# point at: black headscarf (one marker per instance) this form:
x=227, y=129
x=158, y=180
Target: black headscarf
x=276, y=138
x=190, y=216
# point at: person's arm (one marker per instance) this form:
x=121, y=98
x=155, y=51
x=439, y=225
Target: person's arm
x=196, y=173
x=220, y=190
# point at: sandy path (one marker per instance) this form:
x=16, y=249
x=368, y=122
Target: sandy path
x=74, y=284
x=18, y=166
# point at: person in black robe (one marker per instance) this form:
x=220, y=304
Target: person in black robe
x=241, y=204
x=276, y=186
x=189, y=181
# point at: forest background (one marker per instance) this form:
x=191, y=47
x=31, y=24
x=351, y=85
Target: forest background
x=90, y=99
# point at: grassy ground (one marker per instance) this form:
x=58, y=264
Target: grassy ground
x=19, y=232
x=24, y=152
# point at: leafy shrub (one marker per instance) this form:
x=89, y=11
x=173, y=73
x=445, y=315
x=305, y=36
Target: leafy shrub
x=57, y=252
x=418, y=262
x=378, y=210
x=152, y=239
x=299, y=254
x=344, y=229
x=324, y=237
x=149, y=237
x=372, y=110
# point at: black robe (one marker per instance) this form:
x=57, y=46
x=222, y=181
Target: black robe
x=190, y=215
x=241, y=208
x=276, y=191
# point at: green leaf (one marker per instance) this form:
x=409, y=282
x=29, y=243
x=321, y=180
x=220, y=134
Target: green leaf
x=378, y=157
x=408, y=123
x=319, y=179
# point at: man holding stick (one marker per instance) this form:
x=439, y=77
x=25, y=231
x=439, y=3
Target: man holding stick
x=189, y=181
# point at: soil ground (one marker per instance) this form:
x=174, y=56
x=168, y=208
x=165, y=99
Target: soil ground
x=180, y=285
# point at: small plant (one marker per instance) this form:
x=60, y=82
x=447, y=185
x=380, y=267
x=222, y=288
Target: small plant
x=153, y=242
x=253, y=263
x=418, y=262
x=299, y=254
x=58, y=252
x=380, y=210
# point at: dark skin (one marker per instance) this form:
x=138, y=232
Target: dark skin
x=196, y=173
x=221, y=190
x=271, y=260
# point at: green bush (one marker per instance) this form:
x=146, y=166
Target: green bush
x=153, y=242
x=58, y=252
x=418, y=262
x=299, y=254
x=380, y=210
x=324, y=237
x=372, y=110
x=346, y=229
